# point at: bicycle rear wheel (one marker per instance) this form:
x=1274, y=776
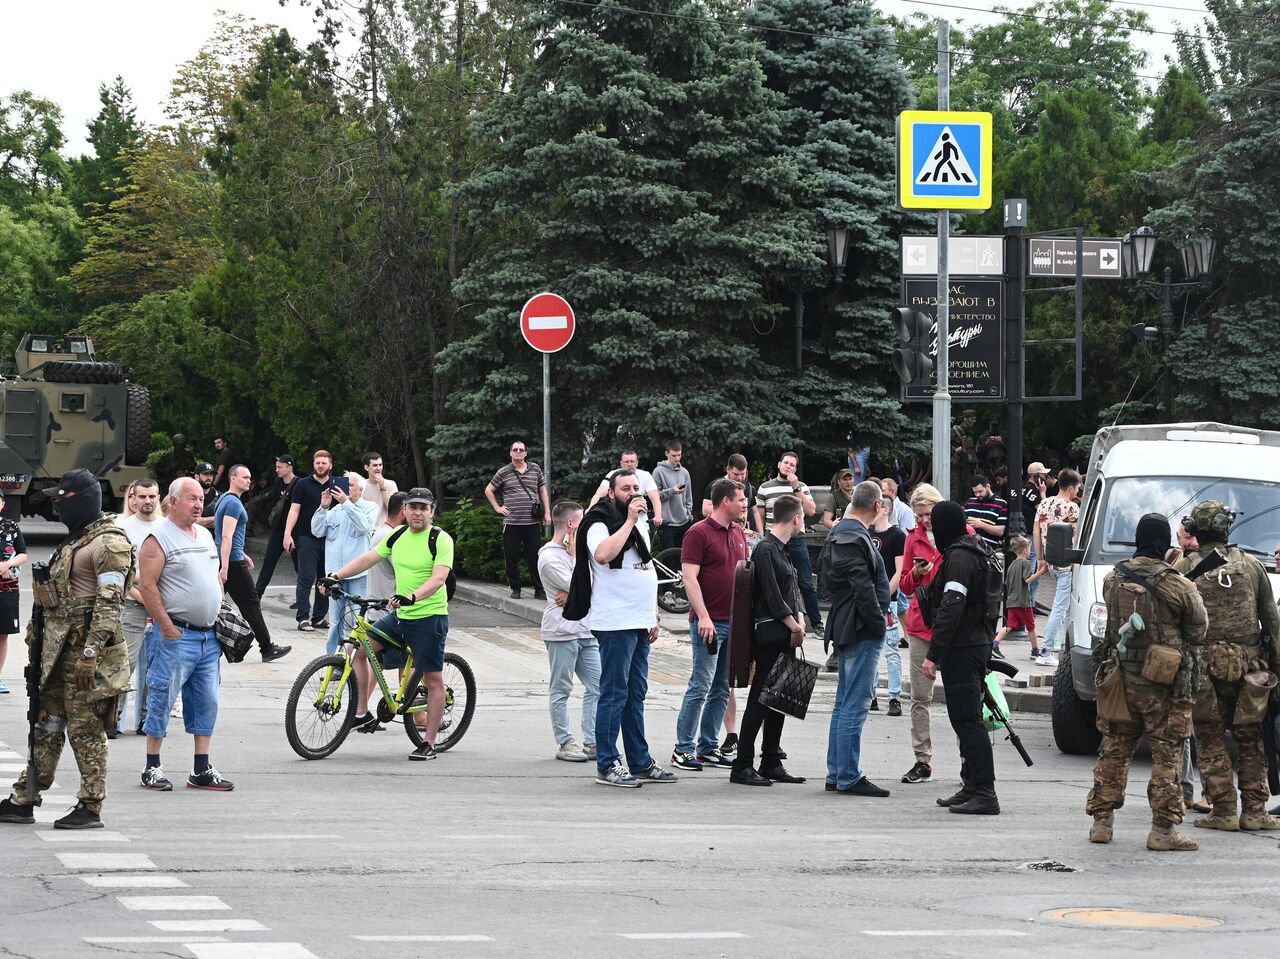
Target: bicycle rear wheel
x=317, y=723
x=671, y=596
x=459, y=703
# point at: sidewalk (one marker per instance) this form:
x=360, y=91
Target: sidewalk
x=1030, y=692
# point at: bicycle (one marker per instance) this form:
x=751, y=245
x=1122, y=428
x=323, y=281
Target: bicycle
x=671, y=594
x=322, y=703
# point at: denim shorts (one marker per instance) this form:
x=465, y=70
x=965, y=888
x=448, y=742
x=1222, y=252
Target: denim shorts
x=190, y=665
x=424, y=636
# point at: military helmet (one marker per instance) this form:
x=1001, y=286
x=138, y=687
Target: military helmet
x=1210, y=521
x=179, y=439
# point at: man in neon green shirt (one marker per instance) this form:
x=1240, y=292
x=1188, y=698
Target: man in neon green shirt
x=422, y=558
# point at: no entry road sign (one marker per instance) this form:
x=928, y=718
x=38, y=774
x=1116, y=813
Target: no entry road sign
x=547, y=322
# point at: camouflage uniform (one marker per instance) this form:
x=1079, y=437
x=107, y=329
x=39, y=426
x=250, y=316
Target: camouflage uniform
x=73, y=619
x=964, y=455
x=1238, y=598
x=1164, y=712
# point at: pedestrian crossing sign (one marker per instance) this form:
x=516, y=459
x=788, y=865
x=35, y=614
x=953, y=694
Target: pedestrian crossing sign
x=944, y=160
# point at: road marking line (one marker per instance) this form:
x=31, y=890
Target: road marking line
x=171, y=903
x=294, y=835
x=125, y=940
x=548, y=323
x=97, y=861
x=484, y=835
x=683, y=935
x=208, y=925
x=12, y=767
x=252, y=950
x=82, y=835
x=967, y=933
x=134, y=882
x=410, y=938
x=9, y=754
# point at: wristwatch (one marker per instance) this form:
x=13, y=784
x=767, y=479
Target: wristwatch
x=90, y=653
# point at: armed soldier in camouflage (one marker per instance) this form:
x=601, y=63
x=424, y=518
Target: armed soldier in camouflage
x=85, y=663
x=1241, y=663
x=1149, y=591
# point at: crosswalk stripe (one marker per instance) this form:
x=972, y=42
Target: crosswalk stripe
x=171, y=903
x=99, y=861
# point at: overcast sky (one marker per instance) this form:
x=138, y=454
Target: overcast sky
x=63, y=49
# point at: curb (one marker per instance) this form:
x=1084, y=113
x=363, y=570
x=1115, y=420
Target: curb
x=528, y=610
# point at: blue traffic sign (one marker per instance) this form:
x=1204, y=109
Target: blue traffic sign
x=944, y=160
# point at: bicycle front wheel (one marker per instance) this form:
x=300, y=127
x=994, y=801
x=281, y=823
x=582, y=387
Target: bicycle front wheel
x=318, y=715
x=671, y=595
x=459, y=704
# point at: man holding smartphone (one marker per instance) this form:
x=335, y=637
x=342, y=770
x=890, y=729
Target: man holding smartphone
x=708, y=559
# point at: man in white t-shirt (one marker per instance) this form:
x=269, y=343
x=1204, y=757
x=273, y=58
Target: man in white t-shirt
x=630, y=460
x=377, y=488
x=142, y=516
x=624, y=620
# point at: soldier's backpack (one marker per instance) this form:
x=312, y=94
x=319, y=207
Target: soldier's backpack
x=991, y=599
x=451, y=581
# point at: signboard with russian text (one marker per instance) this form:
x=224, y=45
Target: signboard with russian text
x=976, y=354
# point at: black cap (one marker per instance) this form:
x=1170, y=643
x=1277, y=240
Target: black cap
x=76, y=481
x=420, y=494
x=285, y=458
x=204, y=467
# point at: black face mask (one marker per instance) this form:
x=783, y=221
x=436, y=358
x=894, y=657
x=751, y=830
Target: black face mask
x=948, y=523
x=80, y=510
x=1152, y=538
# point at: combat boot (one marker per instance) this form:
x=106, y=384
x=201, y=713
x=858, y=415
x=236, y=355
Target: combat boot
x=1220, y=818
x=983, y=802
x=963, y=796
x=1252, y=821
x=81, y=817
x=1102, y=826
x=1168, y=839
x=11, y=811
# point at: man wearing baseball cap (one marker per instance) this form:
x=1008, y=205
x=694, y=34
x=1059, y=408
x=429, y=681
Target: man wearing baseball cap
x=204, y=473
x=422, y=557
x=278, y=499
x=1032, y=496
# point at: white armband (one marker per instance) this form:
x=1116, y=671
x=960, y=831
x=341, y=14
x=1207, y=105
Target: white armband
x=955, y=587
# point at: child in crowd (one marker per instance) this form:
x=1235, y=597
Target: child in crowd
x=1019, y=613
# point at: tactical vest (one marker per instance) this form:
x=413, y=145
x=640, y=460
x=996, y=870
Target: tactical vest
x=1128, y=597
x=1231, y=599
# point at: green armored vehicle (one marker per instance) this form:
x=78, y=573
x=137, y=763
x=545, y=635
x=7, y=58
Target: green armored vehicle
x=65, y=410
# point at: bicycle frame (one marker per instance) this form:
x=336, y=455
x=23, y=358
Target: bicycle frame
x=676, y=577
x=360, y=635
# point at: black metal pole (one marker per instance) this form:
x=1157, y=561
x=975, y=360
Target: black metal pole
x=1166, y=338
x=797, y=311
x=1014, y=309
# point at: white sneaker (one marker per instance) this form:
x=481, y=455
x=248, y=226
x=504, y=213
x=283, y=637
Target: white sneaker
x=571, y=752
x=176, y=712
x=1050, y=660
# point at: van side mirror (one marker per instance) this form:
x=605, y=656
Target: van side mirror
x=1058, y=550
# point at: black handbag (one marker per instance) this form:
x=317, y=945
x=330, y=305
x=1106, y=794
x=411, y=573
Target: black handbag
x=234, y=633
x=789, y=686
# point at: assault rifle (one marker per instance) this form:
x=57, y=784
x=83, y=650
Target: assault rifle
x=998, y=714
x=35, y=661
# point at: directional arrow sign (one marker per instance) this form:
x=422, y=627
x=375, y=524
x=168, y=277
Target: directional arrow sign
x=547, y=322
x=1057, y=257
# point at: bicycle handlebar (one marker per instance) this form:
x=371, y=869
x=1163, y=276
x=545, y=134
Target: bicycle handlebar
x=336, y=592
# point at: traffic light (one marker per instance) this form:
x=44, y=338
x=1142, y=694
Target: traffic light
x=912, y=360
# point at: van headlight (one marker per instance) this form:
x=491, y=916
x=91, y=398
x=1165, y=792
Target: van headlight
x=1098, y=620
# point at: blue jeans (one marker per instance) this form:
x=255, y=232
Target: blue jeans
x=309, y=555
x=799, y=553
x=844, y=742
x=192, y=665
x=339, y=629
x=568, y=656
x=892, y=656
x=1032, y=560
x=1061, y=607
x=707, y=696
x=624, y=680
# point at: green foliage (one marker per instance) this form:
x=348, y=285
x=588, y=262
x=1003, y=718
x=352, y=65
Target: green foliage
x=113, y=133
x=477, y=536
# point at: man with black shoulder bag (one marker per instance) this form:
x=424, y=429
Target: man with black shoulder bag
x=776, y=631
x=518, y=492
x=1146, y=669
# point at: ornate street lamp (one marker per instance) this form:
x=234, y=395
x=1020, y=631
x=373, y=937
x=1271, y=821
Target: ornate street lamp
x=837, y=251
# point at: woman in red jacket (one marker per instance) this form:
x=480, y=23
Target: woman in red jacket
x=920, y=563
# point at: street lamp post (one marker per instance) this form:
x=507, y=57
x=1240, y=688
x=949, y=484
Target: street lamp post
x=1137, y=250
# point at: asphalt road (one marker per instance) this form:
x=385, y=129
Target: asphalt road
x=496, y=849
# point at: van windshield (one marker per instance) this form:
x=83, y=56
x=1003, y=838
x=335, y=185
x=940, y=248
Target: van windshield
x=1126, y=500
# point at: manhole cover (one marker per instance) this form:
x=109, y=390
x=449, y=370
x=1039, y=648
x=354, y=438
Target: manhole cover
x=1048, y=865
x=1132, y=918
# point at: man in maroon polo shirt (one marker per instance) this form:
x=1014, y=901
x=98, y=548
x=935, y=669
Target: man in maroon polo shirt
x=709, y=556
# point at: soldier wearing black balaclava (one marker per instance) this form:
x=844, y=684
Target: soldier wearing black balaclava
x=961, y=646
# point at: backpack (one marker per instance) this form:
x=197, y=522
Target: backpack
x=451, y=581
x=991, y=599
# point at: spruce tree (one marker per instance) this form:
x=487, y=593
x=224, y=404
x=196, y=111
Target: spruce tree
x=839, y=71
x=635, y=170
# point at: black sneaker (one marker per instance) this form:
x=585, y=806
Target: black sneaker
x=210, y=779
x=983, y=802
x=274, y=651
x=715, y=758
x=963, y=796
x=919, y=773
x=423, y=753
x=81, y=817
x=895, y=707
x=515, y=594
x=730, y=745
x=875, y=704
x=686, y=761
x=995, y=653
x=539, y=594
x=864, y=787
x=367, y=723
x=153, y=778
x=293, y=605
x=11, y=811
